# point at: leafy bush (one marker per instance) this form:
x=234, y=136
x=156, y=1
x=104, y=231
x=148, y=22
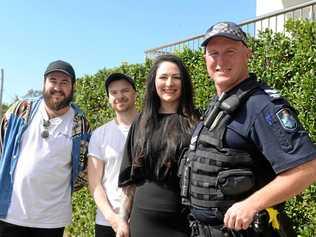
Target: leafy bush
x=83, y=216
x=285, y=61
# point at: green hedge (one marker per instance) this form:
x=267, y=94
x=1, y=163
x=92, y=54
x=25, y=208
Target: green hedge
x=285, y=61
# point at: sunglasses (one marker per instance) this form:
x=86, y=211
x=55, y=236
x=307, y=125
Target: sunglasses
x=45, y=133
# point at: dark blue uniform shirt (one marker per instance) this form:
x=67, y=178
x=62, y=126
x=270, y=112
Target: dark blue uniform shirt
x=267, y=127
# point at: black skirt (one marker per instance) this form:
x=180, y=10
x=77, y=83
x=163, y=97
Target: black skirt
x=157, y=212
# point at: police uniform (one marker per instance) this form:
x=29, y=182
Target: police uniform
x=259, y=127
x=265, y=126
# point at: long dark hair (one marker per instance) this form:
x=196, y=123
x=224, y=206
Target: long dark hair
x=152, y=100
x=177, y=129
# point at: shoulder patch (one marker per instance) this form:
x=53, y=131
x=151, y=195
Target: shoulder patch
x=287, y=119
x=269, y=118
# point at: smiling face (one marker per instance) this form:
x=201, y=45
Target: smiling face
x=168, y=86
x=226, y=62
x=58, y=91
x=122, y=96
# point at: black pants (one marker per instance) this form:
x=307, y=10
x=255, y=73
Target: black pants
x=10, y=230
x=104, y=231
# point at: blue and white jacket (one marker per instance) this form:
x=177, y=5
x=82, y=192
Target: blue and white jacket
x=13, y=125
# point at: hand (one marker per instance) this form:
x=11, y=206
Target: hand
x=240, y=215
x=121, y=228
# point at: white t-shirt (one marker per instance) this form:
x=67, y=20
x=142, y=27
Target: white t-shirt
x=107, y=144
x=41, y=195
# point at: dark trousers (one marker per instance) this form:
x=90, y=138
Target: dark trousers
x=10, y=230
x=104, y=231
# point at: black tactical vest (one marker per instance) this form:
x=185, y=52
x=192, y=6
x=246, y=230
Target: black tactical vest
x=212, y=176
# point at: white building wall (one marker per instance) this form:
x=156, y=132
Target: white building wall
x=264, y=7
x=267, y=6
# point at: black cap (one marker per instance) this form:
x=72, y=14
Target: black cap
x=226, y=29
x=118, y=76
x=61, y=66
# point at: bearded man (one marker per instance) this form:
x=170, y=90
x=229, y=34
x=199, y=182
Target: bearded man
x=43, y=145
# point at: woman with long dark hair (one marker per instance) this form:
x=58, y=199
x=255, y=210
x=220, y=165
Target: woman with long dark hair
x=154, y=145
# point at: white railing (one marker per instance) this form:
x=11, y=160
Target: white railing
x=274, y=21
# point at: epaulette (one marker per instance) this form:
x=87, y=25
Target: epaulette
x=273, y=93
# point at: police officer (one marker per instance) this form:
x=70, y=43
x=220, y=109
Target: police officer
x=250, y=154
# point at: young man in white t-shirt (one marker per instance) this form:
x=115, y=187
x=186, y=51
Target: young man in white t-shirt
x=105, y=153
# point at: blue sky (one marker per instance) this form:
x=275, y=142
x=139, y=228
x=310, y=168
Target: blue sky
x=97, y=34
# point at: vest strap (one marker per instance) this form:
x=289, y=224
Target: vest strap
x=210, y=204
x=196, y=166
x=207, y=180
x=206, y=191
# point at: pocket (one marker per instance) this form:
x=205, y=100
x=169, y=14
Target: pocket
x=235, y=181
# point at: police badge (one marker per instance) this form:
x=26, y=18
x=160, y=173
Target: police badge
x=287, y=119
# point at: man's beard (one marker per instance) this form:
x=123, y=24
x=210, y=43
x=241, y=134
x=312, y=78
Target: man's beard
x=56, y=106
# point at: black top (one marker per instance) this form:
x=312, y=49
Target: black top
x=158, y=182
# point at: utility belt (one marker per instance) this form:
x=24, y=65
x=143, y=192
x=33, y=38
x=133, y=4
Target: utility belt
x=266, y=223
